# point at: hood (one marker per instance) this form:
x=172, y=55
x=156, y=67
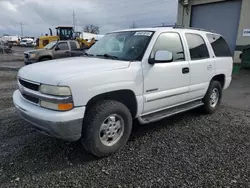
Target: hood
x=35, y=51
x=54, y=71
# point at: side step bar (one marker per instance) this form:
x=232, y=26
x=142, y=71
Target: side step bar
x=156, y=116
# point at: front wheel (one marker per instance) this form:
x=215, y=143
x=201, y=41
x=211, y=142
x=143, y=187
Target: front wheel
x=106, y=128
x=44, y=59
x=212, y=98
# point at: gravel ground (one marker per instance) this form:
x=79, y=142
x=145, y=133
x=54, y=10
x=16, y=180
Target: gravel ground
x=187, y=150
x=17, y=54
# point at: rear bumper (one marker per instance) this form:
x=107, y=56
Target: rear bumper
x=63, y=125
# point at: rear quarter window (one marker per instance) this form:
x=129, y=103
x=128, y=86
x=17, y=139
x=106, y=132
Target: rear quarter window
x=219, y=45
x=197, y=46
x=73, y=45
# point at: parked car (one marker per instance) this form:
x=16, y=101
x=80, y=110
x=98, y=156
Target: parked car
x=13, y=40
x=26, y=42
x=34, y=43
x=29, y=43
x=144, y=74
x=53, y=50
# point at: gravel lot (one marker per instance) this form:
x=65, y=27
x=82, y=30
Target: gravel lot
x=187, y=150
x=14, y=60
x=16, y=55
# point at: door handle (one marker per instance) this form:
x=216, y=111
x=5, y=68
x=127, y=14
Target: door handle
x=185, y=70
x=209, y=67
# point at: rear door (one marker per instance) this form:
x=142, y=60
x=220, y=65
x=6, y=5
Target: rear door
x=222, y=55
x=201, y=64
x=61, y=50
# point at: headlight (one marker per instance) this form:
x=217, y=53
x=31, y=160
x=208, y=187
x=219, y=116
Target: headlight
x=54, y=106
x=55, y=90
x=32, y=56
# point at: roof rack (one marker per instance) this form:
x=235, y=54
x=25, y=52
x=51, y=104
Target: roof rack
x=194, y=28
x=175, y=26
x=165, y=25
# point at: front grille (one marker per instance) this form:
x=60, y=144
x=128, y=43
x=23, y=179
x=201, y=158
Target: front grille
x=26, y=56
x=29, y=85
x=32, y=99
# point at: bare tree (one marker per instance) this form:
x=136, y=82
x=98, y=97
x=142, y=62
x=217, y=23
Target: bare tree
x=91, y=29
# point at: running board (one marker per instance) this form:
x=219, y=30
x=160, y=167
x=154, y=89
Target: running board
x=156, y=116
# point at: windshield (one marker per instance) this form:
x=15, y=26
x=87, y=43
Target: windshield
x=127, y=45
x=24, y=41
x=50, y=45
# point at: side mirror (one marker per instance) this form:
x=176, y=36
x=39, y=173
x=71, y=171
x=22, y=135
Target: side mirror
x=57, y=48
x=162, y=56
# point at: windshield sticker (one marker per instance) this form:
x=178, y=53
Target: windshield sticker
x=144, y=33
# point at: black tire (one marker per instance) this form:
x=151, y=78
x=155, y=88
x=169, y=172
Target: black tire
x=92, y=123
x=26, y=63
x=208, y=108
x=44, y=59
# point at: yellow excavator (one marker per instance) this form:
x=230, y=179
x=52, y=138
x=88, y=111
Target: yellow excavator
x=63, y=33
x=84, y=43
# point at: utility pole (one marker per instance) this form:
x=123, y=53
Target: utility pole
x=74, y=20
x=163, y=24
x=21, y=28
x=75, y=25
x=133, y=25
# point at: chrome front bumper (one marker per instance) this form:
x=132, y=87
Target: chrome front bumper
x=64, y=125
x=29, y=61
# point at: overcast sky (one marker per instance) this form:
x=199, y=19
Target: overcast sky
x=39, y=15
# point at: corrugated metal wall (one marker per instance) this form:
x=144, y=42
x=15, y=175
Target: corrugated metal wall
x=222, y=17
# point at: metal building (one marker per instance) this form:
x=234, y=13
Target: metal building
x=231, y=18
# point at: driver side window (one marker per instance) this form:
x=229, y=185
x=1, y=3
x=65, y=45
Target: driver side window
x=169, y=42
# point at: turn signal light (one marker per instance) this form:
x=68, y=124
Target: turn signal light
x=54, y=106
x=63, y=107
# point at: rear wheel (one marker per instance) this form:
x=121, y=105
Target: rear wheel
x=212, y=98
x=107, y=127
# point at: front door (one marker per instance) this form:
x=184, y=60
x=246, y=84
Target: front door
x=61, y=50
x=166, y=84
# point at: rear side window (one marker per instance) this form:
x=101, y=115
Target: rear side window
x=73, y=45
x=170, y=42
x=219, y=45
x=197, y=47
x=63, y=46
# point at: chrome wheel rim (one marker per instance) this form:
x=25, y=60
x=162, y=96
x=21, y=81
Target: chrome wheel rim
x=214, y=97
x=111, y=130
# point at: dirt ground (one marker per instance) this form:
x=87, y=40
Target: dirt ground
x=187, y=150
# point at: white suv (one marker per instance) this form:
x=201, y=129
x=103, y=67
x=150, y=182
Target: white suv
x=145, y=74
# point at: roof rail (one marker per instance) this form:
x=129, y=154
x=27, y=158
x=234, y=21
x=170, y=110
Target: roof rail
x=165, y=25
x=184, y=27
x=175, y=26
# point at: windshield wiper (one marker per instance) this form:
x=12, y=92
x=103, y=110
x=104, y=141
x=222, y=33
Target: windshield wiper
x=108, y=56
x=89, y=55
